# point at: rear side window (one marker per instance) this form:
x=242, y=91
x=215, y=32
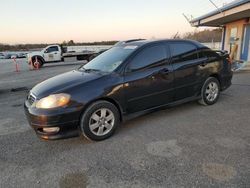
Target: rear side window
x=207, y=53
x=183, y=51
x=150, y=56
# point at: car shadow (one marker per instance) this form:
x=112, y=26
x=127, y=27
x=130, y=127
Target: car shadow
x=168, y=112
x=157, y=115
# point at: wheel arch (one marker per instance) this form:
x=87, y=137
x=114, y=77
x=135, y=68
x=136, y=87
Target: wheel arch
x=217, y=76
x=38, y=57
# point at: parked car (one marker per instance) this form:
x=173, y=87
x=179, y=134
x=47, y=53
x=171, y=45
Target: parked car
x=2, y=56
x=130, y=79
x=8, y=56
x=22, y=55
x=14, y=56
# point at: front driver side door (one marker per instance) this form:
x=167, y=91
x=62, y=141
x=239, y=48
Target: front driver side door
x=149, y=79
x=52, y=53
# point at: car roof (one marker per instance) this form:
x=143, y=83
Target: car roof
x=143, y=42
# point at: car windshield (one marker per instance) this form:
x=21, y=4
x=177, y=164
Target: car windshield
x=109, y=60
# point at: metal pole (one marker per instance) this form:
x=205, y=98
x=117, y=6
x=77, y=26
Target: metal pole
x=188, y=20
x=223, y=37
x=215, y=6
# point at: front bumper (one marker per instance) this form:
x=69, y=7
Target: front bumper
x=66, y=119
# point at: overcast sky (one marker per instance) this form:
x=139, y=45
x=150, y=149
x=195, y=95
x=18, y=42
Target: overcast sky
x=52, y=21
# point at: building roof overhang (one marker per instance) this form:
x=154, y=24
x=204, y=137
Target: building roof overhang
x=232, y=12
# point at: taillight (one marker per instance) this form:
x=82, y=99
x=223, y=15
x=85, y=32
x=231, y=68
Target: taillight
x=229, y=60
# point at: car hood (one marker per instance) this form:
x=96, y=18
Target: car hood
x=63, y=81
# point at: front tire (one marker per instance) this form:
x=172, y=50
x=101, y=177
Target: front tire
x=99, y=121
x=210, y=92
x=37, y=63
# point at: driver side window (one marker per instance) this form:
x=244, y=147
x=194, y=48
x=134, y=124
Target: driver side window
x=148, y=57
x=52, y=49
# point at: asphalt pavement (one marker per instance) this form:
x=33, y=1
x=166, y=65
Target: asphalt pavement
x=185, y=146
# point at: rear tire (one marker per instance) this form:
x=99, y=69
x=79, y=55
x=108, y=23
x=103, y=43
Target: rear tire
x=99, y=121
x=210, y=92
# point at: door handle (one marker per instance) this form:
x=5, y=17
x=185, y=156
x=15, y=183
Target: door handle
x=162, y=72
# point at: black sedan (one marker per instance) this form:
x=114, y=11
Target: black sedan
x=132, y=78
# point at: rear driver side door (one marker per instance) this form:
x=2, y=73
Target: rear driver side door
x=149, y=79
x=186, y=65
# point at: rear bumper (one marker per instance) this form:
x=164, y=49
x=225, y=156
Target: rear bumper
x=226, y=81
x=66, y=120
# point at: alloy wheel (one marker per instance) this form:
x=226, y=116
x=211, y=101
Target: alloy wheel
x=101, y=122
x=212, y=91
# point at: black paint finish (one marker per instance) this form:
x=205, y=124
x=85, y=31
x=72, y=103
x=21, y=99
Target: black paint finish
x=154, y=74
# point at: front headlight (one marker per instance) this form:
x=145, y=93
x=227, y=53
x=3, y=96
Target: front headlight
x=53, y=101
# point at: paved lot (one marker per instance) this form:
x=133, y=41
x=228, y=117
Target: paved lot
x=185, y=146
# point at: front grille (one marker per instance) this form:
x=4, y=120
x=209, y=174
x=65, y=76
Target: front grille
x=31, y=99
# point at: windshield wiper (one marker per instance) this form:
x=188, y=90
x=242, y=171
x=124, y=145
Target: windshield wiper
x=90, y=70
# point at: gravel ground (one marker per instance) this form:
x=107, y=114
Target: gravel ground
x=184, y=146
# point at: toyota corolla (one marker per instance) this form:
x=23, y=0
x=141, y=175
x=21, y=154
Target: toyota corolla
x=132, y=78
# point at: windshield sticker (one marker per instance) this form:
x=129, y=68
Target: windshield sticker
x=130, y=47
